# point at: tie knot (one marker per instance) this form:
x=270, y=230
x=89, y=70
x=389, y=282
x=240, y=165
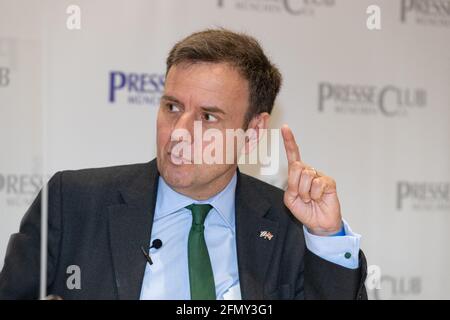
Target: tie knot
x=199, y=212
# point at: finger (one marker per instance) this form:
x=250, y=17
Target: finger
x=330, y=186
x=292, y=150
x=318, y=186
x=304, y=187
x=295, y=170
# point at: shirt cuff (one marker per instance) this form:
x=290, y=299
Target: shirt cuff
x=341, y=250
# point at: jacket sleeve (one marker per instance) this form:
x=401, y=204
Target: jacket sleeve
x=326, y=280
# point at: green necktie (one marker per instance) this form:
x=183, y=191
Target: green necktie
x=201, y=276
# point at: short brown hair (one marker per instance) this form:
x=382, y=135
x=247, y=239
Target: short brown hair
x=241, y=51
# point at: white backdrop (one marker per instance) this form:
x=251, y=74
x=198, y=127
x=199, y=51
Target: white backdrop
x=369, y=108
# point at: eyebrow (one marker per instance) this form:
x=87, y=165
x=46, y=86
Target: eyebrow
x=212, y=109
x=171, y=98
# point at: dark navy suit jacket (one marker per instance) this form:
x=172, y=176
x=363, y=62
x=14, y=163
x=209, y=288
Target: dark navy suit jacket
x=99, y=219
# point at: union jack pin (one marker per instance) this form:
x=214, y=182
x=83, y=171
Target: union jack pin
x=266, y=235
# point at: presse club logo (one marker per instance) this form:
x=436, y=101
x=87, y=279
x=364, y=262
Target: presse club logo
x=135, y=88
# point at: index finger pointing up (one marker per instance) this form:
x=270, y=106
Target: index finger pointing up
x=292, y=150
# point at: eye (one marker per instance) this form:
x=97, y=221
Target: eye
x=210, y=118
x=172, y=107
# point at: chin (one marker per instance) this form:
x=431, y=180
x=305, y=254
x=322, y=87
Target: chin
x=177, y=176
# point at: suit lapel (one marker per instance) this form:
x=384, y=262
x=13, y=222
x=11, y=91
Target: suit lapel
x=254, y=252
x=130, y=226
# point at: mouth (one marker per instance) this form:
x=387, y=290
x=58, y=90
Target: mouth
x=177, y=160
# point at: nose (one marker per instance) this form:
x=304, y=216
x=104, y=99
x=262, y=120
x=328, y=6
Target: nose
x=184, y=124
x=182, y=136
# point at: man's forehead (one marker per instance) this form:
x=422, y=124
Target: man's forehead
x=205, y=80
x=207, y=76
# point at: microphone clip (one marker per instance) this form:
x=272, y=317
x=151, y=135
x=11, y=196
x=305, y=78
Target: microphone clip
x=157, y=243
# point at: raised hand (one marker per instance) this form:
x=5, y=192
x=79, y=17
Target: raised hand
x=311, y=196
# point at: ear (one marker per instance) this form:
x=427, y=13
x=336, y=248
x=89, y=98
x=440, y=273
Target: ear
x=256, y=128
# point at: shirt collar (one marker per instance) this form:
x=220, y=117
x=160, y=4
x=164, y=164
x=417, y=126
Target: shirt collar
x=169, y=201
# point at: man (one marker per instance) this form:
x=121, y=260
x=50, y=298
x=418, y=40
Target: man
x=175, y=228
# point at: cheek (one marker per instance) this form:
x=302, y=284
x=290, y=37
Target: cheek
x=163, y=136
x=163, y=131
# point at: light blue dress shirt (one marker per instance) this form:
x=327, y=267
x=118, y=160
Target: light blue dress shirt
x=168, y=277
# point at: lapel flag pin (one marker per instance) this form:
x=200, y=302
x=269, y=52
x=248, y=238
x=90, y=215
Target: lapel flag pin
x=266, y=235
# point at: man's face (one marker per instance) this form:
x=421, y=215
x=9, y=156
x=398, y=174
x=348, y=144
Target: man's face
x=215, y=95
